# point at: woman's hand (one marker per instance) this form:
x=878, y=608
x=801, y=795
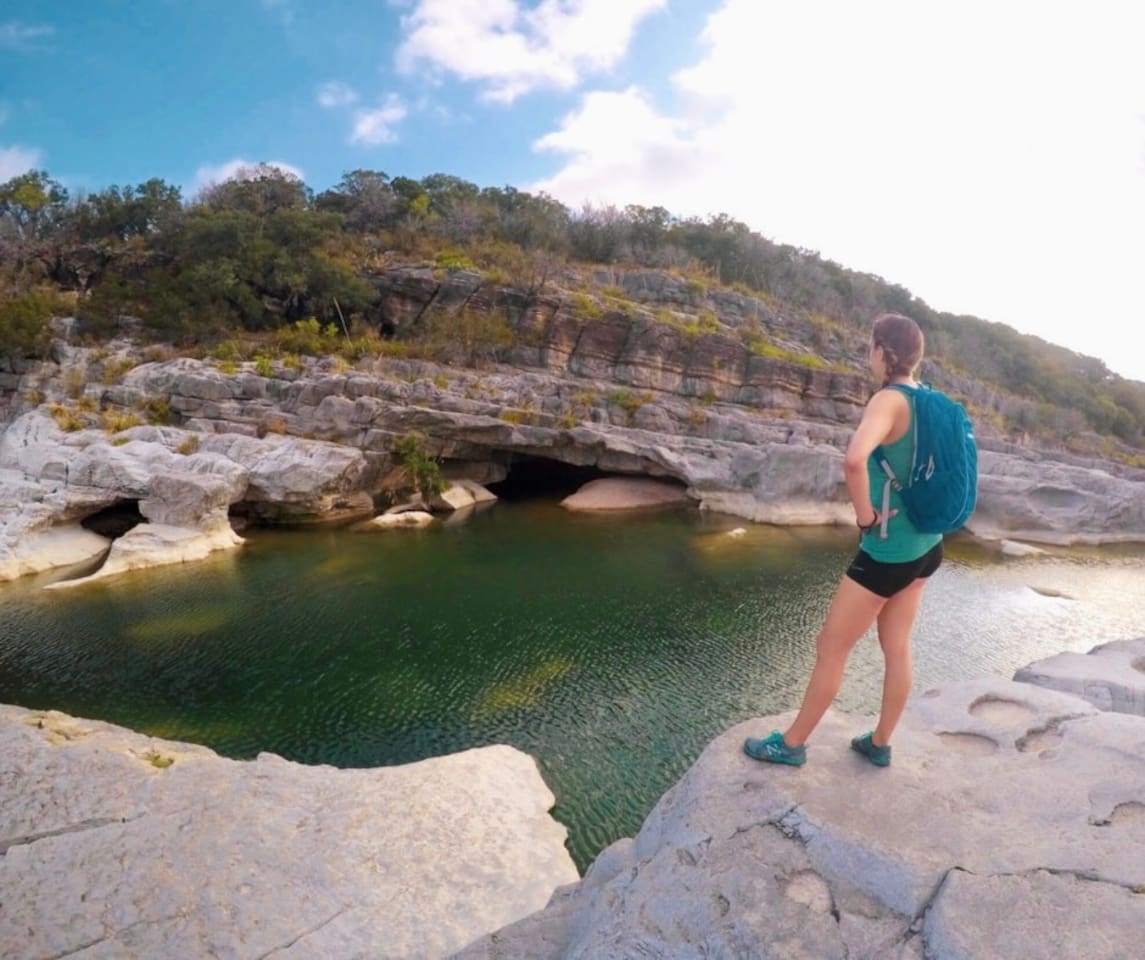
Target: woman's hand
x=868, y=527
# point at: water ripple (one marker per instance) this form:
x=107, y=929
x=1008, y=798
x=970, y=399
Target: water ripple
x=611, y=651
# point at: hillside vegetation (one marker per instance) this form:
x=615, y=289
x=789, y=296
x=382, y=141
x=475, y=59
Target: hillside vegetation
x=263, y=260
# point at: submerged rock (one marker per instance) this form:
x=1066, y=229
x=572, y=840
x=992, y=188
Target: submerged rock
x=1015, y=548
x=115, y=844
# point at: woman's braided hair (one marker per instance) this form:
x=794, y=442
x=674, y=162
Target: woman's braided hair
x=902, y=343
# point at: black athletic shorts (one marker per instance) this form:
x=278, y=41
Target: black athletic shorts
x=887, y=579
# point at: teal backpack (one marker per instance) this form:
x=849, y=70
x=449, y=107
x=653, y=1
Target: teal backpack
x=942, y=488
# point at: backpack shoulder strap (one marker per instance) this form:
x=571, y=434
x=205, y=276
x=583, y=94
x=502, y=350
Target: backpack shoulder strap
x=881, y=457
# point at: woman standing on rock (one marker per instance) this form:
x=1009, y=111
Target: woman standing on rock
x=884, y=582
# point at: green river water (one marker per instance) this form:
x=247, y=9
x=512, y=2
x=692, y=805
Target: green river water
x=611, y=649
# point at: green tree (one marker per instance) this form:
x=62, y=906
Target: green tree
x=532, y=222
x=363, y=197
x=32, y=207
x=260, y=189
x=120, y=213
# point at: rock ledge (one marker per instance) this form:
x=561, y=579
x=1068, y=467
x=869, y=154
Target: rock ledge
x=117, y=845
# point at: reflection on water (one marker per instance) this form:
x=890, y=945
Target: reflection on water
x=612, y=649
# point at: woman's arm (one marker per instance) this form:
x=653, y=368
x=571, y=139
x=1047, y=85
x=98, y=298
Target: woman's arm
x=877, y=423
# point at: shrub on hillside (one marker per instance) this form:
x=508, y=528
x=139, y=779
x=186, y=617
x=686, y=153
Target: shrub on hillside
x=25, y=325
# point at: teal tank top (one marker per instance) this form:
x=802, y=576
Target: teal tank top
x=903, y=543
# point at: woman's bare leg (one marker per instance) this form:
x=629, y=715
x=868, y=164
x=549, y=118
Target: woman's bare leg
x=896, y=620
x=853, y=609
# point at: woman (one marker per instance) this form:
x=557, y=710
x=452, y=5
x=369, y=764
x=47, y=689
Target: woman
x=885, y=581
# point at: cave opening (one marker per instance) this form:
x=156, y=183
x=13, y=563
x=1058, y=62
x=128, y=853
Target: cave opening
x=114, y=521
x=531, y=478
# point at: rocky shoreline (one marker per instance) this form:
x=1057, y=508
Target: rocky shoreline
x=1008, y=826
x=319, y=445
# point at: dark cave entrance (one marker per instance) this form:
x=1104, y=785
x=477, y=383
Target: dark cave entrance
x=532, y=478
x=116, y=520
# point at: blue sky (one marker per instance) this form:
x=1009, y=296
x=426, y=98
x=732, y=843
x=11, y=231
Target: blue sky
x=990, y=157
x=122, y=90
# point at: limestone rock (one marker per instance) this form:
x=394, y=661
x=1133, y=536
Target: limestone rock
x=1055, y=503
x=68, y=545
x=394, y=521
x=1005, y=916
x=1013, y=548
x=49, y=478
x=157, y=545
x=1111, y=676
x=751, y=436
x=196, y=490
x=114, y=844
x=35, y=447
x=461, y=494
x=417, y=503
x=625, y=493
x=294, y=480
x=997, y=790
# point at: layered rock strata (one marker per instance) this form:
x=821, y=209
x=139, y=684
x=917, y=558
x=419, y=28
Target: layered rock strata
x=752, y=436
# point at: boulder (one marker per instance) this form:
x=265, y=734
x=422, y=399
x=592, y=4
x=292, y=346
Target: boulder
x=1010, y=820
x=157, y=545
x=453, y=497
x=68, y=545
x=625, y=493
x=1111, y=676
x=461, y=494
x=115, y=844
x=290, y=480
x=196, y=491
x=394, y=521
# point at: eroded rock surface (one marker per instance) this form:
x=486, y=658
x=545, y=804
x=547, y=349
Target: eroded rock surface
x=117, y=845
x=1111, y=676
x=1010, y=822
x=184, y=485
x=745, y=435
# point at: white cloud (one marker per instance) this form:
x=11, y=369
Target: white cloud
x=511, y=48
x=376, y=126
x=238, y=169
x=15, y=35
x=17, y=160
x=336, y=94
x=989, y=157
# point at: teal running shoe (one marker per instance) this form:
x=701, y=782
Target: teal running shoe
x=879, y=756
x=774, y=749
